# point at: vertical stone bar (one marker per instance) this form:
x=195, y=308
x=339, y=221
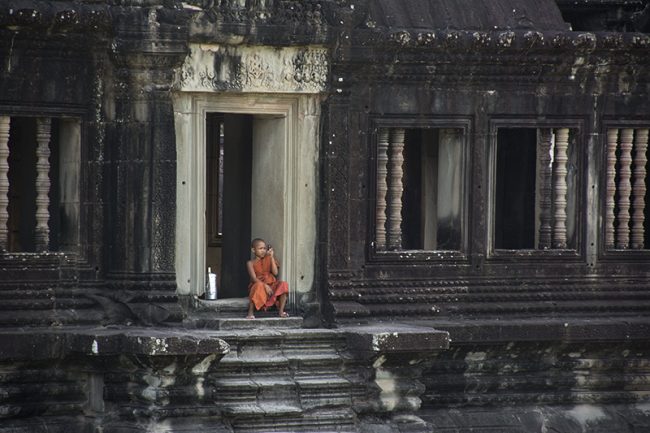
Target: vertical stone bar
x=544, y=151
x=382, y=188
x=4, y=181
x=43, y=134
x=639, y=189
x=612, y=143
x=561, y=146
x=396, y=188
x=624, y=190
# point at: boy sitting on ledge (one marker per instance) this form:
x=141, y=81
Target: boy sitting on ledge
x=264, y=290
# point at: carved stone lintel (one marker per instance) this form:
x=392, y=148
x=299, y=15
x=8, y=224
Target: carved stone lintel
x=561, y=146
x=612, y=143
x=4, y=180
x=382, y=187
x=639, y=188
x=396, y=188
x=624, y=190
x=545, y=137
x=254, y=69
x=43, y=134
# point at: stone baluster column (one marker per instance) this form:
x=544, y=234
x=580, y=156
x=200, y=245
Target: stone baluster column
x=546, y=190
x=43, y=135
x=612, y=143
x=396, y=188
x=639, y=189
x=382, y=188
x=624, y=190
x=561, y=146
x=4, y=181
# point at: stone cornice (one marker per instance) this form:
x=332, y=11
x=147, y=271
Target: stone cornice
x=54, y=16
x=500, y=42
x=561, y=58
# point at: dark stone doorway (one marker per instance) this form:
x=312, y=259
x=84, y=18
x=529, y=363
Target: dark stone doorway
x=228, y=212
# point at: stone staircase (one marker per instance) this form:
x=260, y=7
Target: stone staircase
x=284, y=380
x=277, y=376
x=281, y=377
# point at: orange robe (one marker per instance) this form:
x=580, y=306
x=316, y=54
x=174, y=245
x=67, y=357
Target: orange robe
x=256, y=292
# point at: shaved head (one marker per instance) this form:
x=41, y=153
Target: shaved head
x=257, y=241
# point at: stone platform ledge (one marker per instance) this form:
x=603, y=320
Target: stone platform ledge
x=567, y=329
x=390, y=337
x=509, y=418
x=382, y=337
x=39, y=343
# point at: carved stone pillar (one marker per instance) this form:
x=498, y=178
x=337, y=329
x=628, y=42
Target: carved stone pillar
x=544, y=146
x=4, y=180
x=639, y=189
x=141, y=164
x=382, y=188
x=624, y=190
x=561, y=146
x=612, y=143
x=42, y=232
x=396, y=188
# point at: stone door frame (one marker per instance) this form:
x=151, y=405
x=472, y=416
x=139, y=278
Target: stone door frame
x=299, y=155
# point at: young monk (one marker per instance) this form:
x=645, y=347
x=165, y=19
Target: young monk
x=264, y=290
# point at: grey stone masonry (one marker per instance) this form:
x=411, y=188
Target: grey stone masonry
x=271, y=376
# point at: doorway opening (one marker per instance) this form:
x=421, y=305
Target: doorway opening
x=283, y=187
x=243, y=193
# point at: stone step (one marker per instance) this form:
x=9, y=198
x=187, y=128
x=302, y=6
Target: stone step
x=227, y=305
x=334, y=420
x=205, y=320
x=252, y=366
x=265, y=409
x=270, y=322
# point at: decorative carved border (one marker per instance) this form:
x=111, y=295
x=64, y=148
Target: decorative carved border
x=251, y=69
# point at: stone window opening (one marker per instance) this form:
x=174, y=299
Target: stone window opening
x=420, y=185
x=39, y=184
x=626, y=210
x=535, y=189
x=610, y=16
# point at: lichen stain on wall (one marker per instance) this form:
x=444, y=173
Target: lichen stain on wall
x=199, y=370
x=586, y=414
x=389, y=396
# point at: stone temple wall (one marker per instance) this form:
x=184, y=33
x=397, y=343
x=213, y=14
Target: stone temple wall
x=97, y=333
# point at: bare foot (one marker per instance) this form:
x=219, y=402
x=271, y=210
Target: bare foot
x=284, y=314
x=250, y=317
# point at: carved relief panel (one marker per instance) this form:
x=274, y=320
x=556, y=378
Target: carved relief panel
x=254, y=69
